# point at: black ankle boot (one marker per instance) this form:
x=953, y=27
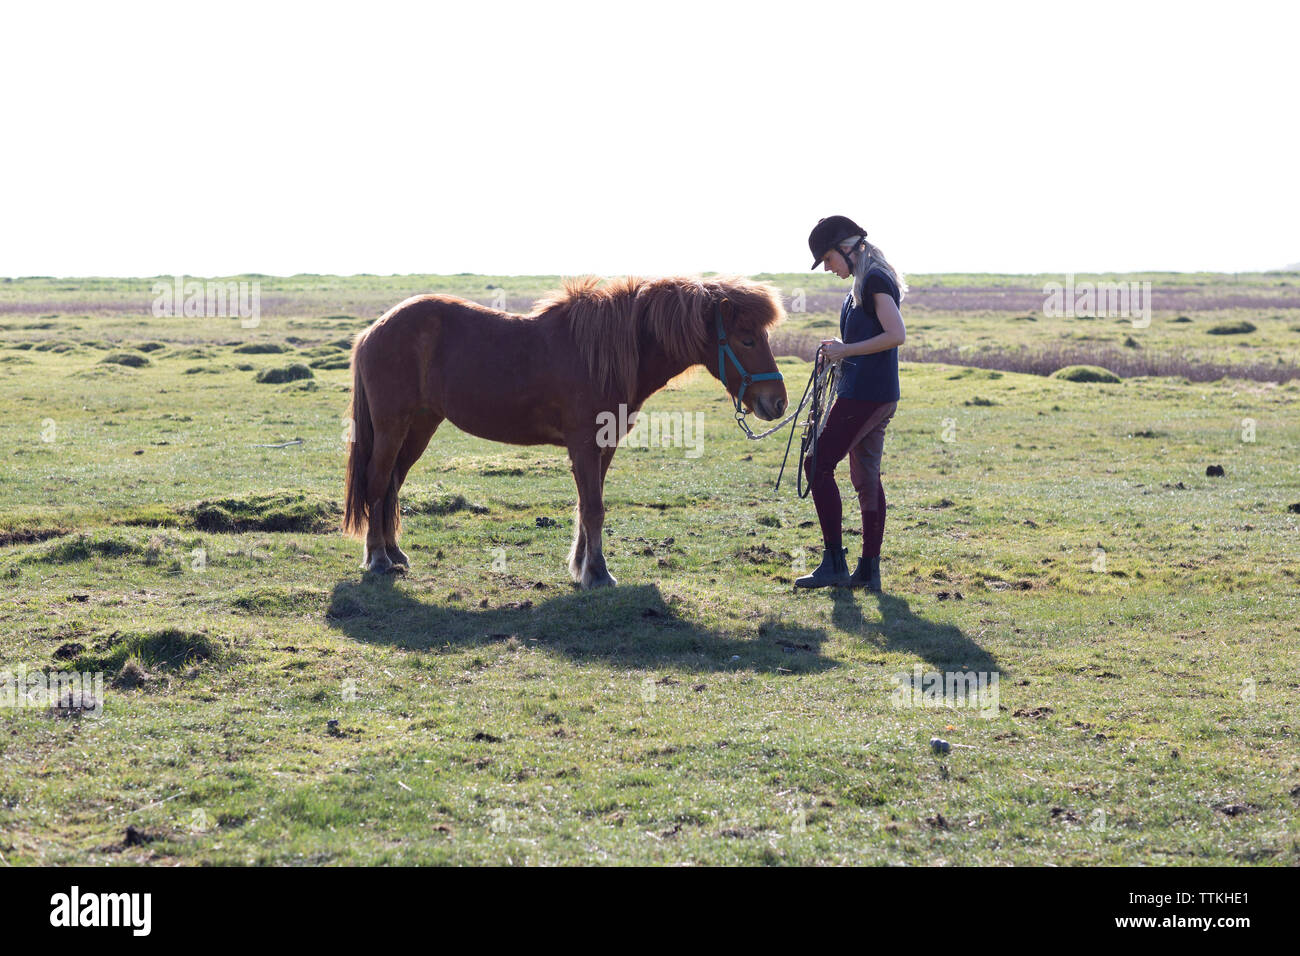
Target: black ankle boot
x=832, y=572
x=867, y=574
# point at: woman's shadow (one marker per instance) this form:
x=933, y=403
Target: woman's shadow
x=945, y=647
x=624, y=626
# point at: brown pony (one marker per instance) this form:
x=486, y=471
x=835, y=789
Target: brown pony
x=542, y=378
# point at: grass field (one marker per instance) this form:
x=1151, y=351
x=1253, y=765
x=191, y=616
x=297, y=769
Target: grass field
x=264, y=702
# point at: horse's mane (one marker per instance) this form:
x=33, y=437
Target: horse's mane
x=607, y=321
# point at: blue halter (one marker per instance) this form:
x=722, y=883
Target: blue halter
x=724, y=352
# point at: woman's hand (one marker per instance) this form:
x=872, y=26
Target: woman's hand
x=834, y=350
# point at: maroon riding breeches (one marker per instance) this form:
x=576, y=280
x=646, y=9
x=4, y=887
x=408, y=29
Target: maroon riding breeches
x=857, y=429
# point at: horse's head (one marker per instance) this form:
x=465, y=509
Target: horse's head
x=743, y=313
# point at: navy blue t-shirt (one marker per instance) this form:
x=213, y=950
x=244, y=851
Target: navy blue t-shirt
x=870, y=378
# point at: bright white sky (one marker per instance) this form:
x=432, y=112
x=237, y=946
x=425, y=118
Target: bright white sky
x=498, y=137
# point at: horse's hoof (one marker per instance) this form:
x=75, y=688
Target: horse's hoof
x=607, y=580
x=397, y=555
x=379, y=564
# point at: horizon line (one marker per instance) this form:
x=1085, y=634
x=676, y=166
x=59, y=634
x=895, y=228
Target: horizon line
x=1293, y=269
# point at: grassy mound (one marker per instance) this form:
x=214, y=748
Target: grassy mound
x=1086, y=373
x=194, y=353
x=277, y=600
x=129, y=359
x=286, y=373
x=1232, y=328
x=276, y=511
x=102, y=371
x=441, y=505
x=304, y=385
x=167, y=648
x=83, y=547
x=262, y=348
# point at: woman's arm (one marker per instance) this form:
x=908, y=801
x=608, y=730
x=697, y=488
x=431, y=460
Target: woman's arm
x=894, y=334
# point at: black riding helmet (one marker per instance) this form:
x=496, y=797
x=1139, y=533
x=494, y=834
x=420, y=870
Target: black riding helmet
x=829, y=233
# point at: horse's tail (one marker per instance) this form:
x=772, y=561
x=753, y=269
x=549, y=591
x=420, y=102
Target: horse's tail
x=361, y=439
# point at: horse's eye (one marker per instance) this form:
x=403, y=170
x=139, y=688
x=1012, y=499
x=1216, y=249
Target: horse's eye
x=747, y=343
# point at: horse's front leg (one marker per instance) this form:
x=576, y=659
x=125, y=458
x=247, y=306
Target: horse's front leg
x=578, y=550
x=589, y=465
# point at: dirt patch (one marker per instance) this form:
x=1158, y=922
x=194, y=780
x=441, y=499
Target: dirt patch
x=29, y=535
x=993, y=584
x=137, y=837
x=758, y=554
x=74, y=703
x=738, y=833
x=1034, y=713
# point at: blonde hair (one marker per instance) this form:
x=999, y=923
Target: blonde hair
x=862, y=264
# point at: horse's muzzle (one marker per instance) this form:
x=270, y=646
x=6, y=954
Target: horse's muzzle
x=769, y=407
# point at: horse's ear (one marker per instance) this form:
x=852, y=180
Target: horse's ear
x=724, y=306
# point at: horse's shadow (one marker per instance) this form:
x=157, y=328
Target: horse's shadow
x=943, y=646
x=623, y=626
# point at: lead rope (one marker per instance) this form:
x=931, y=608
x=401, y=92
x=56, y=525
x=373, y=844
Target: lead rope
x=744, y=425
x=820, y=388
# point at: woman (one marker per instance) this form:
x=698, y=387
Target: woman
x=871, y=330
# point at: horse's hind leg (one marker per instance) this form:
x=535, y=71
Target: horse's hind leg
x=380, y=479
x=417, y=440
